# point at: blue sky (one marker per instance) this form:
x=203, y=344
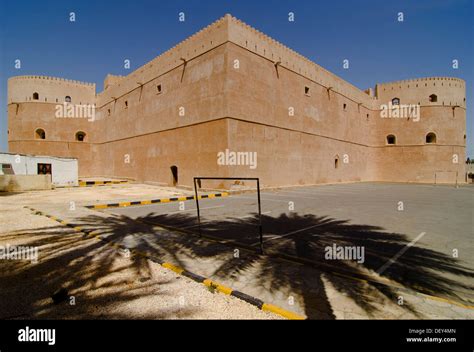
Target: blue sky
x=366, y=32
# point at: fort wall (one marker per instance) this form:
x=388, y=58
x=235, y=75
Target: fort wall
x=230, y=86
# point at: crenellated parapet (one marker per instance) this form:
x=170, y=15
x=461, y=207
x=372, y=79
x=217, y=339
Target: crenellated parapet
x=44, y=89
x=428, y=91
x=231, y=29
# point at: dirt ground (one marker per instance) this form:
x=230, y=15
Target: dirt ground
x=99, y=281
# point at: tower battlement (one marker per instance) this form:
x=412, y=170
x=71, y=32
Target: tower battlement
x=47, y=89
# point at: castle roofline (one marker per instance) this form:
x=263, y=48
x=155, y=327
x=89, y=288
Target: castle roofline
x=275, y=51
x=50, y=78
x=423, y=79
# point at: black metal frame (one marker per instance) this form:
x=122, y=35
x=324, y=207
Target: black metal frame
x=237, y=179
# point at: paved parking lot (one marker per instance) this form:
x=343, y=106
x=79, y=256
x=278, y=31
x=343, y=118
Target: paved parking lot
x=416, y=242
x=417, y=236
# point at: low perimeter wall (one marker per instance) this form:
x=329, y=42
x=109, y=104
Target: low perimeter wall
x=19, y=183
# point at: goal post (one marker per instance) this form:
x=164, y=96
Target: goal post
x=197, y=180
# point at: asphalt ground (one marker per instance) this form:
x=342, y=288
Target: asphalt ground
x=419, y=236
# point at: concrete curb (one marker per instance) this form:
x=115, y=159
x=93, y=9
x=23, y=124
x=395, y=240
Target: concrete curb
x=180, y=271
x=154, y=201
x=100, y=183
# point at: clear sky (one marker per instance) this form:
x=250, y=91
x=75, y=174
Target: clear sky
x=366, y=32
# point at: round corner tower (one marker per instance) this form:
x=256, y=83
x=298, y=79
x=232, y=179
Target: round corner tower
x=421, y=132
x=43, y=117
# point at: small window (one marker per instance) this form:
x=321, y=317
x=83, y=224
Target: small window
x=336, y=161
x=36, y=96
x=40, y=134
x=158, y=88
x=431, y=138
x=433, y=98
x=80, y=136
x=7, y=169
x=44, y=169
x=108, y=112
x=126, y=104
x=391, y=139
x=396, y=101
x=67, y=99
x=344, y=106
x=306, y=91
x=174, y=173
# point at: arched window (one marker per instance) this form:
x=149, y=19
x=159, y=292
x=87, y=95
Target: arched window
x=391, y=139
x=67, y=99
x=431, y=138
x=433, y=98
x=36, y=96
x=40, y=134
x=396, y=101
x=80, y=136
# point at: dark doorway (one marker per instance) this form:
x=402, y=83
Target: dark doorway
x=174, y=172
x=44, y=169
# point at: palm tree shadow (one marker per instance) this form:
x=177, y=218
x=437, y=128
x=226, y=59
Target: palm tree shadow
x=419, y=269
x=86, y=268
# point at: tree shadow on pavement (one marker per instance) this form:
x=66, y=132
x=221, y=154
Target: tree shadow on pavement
x=97, y=278
x=419, y=269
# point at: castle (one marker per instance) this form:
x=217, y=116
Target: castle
x=230, y=88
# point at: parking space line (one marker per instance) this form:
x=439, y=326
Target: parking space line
x=273, y=237
x=263, y=199
x=251, y=216
x=399, y=254
x=288, y=196
x=184, y=211
x=205, y=222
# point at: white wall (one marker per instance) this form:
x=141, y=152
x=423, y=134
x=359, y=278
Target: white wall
x=64, y=170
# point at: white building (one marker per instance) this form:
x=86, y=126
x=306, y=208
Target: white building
x=63, y=171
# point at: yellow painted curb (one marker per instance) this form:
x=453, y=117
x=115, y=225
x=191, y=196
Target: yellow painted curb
x=280, y=311
x=175, y=268
x=445, y=300
x=224, y=289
